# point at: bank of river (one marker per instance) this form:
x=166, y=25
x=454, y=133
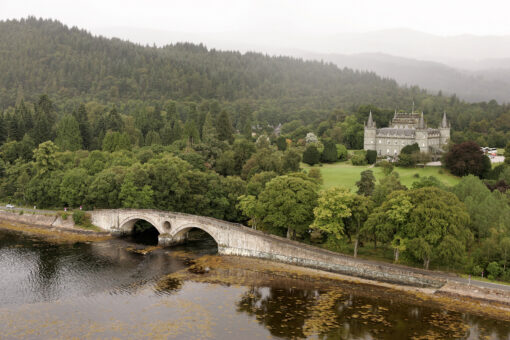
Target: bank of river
x=108, y=289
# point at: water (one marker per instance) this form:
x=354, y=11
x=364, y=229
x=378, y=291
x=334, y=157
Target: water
x=106, y=290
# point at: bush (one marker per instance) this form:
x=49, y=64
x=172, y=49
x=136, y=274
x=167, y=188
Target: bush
x=341, y=152
x=329, y=154
x=359, y=158
x=371, y=156
x=387, y=167
x=64, y=216
x=311, y=156
x=21, y=212
x=79, y=217
x=494, y=270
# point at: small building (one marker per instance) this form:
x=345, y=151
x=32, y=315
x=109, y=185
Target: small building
x=405, y=129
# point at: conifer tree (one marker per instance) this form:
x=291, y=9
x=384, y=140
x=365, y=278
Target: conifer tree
x=114, y=121
x=224, y=127
x=68, y=134
x=84, y=125
x=43, y=120
x=208, y=130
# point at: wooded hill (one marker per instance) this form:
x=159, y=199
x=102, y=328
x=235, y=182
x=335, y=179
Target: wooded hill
x=45, y=56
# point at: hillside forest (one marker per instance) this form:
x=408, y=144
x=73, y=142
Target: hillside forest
x=104, y=123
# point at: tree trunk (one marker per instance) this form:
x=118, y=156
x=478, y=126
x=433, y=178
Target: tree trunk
x=397, y=253
x=426, y=263
x=356, y=248
x=288, y=233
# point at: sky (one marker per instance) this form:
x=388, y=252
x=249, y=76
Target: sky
x=313, y=17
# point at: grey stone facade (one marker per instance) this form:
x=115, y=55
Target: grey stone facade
x=405, y=129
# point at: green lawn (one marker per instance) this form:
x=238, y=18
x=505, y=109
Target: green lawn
x=345, y=174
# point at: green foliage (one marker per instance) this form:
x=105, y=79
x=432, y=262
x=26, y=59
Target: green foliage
x=116, y=141
x=281, y=143
x=341, y=152
x=366, y=184
x=371, y=156
x=410, y=149
x=79, y=217
x=311, y=156
x=359, y=158
x=224, y=127
x=329, y=154
x=286, y=204
x=68, y=134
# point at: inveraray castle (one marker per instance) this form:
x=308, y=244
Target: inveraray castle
x=405, y=129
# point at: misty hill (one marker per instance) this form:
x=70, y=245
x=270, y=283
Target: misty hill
x=481, y=85
x=45, y=56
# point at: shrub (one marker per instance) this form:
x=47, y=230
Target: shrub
x=494, y=270
x=64, y=216
x=387, y=167
x=21, y=212
x=359, y=158
x=416, y=175
x=371, y=156
x=329, y=154
x=311, y=156
x=341, y=152
x=79, y=217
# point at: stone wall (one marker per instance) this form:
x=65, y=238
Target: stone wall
x=43, y=221
x=235, y=239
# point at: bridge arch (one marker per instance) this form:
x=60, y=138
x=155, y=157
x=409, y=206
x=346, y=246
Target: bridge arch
x=128, y=223
x=180, y=232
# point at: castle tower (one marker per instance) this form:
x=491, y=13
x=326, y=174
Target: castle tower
x=444, y=130
x=370, y=132
x=422, y=135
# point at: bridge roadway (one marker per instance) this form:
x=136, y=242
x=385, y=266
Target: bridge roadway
x=236, y=239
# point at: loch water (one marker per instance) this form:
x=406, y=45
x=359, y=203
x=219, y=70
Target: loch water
x=94, y=290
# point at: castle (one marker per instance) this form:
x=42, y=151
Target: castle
x=405, y=129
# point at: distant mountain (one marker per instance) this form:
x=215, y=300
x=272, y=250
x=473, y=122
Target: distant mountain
x=476, y=68
x=481, y=85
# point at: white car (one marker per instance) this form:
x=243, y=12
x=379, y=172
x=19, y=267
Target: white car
x=9, y=206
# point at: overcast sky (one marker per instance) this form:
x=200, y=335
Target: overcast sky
x=443, y=17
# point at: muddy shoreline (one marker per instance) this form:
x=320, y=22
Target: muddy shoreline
x=479, y=300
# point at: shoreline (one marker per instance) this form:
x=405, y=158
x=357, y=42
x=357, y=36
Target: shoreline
x=475, y=297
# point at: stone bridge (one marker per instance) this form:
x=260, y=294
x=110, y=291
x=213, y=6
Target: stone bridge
x=236, y=239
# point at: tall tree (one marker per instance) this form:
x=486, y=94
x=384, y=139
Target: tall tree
x=84, y=126
x=224, y=127
x=68, y=134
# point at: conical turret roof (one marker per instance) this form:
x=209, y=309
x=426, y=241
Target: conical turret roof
x=444, y=123
x=370, y=122
x=421, y=124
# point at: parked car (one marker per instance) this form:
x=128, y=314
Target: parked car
x=9, y=206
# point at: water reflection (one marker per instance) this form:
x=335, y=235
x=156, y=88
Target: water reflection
x=121, y=293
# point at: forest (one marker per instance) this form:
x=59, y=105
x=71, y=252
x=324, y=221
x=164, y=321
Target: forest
x=103, y=123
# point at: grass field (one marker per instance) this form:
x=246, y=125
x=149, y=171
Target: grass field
x=346, y=175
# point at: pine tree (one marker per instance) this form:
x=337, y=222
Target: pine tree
x=3, y=129
x=114, y=121
x=208, y=130
x=43, y=121
x=191, y=132
x=85, y=129
x=68, y=134
x=224, y=127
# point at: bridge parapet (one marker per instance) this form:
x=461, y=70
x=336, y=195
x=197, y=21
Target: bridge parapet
x=236, y=239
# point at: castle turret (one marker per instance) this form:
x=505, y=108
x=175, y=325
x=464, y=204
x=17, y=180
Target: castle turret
x=422, y=135
x=370, y=132
x=444, y=130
